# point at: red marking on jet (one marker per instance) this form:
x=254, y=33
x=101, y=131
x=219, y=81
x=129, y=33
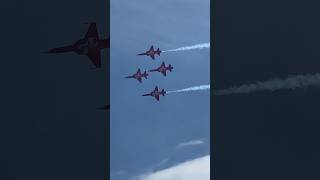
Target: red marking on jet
x=151, y=52
x=156, y=93
x=163, y=69
x=138, y=75
x=90, y=45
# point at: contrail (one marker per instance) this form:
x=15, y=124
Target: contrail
x=195, y=88
x=293, y=82
x=186, y=48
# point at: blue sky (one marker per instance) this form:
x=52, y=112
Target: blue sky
x=149, y=136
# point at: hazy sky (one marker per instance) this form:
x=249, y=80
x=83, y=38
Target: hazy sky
x=146, y=135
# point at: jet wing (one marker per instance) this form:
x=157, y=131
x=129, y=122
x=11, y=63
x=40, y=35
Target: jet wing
x=152, y=56
x=92, y=31
x=95, y=57
x=164, y=72
x=139, y=79
x=151, y=48
x=157, y=98
x=162, y=64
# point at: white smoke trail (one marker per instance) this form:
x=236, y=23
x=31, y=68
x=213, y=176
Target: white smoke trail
x=293, y=82
x=196, y=88
x=186, y=48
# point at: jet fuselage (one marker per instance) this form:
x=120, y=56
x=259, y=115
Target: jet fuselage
x=90, y=45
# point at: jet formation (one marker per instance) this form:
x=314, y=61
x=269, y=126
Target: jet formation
x=162, y=69
x=89, y=45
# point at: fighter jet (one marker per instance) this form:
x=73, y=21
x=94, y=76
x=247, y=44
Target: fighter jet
x=156, y=93
x=138, y=75
x=163, y=69
x=90, y=45
x=151, y=52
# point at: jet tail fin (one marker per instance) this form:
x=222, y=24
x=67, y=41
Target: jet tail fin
x=158, y=51
x=145, y=74
x=163, y=92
